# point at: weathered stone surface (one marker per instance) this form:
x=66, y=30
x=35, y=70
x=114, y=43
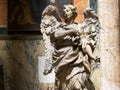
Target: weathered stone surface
x=20, y=63
x=110, y=44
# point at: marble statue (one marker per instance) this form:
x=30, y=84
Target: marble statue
x=69, y=47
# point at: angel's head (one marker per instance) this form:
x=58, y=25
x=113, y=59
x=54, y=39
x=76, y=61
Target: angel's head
x=49, y=10
x=90, y=13
x=69, y=12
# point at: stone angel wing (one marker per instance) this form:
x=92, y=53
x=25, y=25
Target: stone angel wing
x=48, y=54
x=90, y=32
x=47, y=23
x=91, y=27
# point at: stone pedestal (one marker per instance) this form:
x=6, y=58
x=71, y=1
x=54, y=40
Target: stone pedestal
x=108, y=11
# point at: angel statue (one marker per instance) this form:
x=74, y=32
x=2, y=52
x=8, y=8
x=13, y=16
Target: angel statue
x=67, y=44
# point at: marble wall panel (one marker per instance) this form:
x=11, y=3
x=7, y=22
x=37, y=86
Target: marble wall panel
x=20, y=63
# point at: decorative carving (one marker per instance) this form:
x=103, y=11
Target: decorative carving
x=69, y=46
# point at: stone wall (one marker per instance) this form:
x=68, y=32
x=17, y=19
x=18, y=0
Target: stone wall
x=20, y=63
x=110, y=44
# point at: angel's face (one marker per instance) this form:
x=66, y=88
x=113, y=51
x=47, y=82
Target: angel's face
x=67, y=12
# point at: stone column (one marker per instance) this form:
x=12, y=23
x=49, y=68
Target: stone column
x=108, y=11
